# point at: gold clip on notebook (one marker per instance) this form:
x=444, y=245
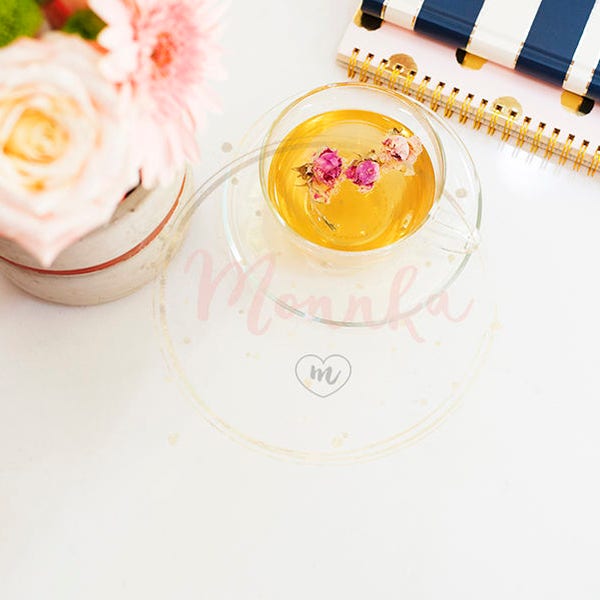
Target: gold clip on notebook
x=537, y=117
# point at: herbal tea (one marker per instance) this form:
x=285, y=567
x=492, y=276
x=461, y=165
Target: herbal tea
x=352, y=180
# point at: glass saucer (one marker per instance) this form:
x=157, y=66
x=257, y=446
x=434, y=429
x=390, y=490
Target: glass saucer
x=290, y=387
x=352, y=288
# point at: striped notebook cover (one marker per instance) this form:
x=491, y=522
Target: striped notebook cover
x=536, y=116
x=557, y=41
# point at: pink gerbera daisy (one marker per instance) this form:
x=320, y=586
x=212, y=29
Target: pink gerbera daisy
x=165, y=50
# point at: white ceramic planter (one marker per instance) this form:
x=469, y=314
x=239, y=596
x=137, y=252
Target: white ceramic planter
x=112, y=261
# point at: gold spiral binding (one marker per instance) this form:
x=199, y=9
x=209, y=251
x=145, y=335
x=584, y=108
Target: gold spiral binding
x=353, y=62
x=595, y=163
x=551, y=144
x=465, y=108
x=396, y=72
x=479, y=114
x=381, y=68
x=493, y=118
x=363, y=75
x=436, y=96
x=535, y=144
x=508, y=125
x=580, y=155
x=566, y=150
x=408, y=81
x=449, y=110
x=523, y=132
x=420, y=95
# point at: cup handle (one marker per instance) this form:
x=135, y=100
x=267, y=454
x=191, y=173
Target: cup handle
x=451, y=229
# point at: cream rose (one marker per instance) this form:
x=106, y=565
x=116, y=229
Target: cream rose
x=65, y=160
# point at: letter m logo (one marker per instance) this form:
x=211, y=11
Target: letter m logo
x=318, y=374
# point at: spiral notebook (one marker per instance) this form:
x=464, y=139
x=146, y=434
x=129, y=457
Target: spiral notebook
x=534, y=115
x=552, y=40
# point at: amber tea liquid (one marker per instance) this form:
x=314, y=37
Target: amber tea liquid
x=395, y=207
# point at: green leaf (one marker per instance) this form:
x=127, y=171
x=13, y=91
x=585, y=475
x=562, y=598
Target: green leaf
x=17, y=18
x=85, y=23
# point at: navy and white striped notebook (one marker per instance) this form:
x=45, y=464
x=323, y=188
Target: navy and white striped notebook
x=534, y=114
x=557, y=41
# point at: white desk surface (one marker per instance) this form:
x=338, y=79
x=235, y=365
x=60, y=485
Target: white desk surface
x=113, y=484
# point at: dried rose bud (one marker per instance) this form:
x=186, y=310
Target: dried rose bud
x=364, y=173
x=327, y=167
x=397, y=147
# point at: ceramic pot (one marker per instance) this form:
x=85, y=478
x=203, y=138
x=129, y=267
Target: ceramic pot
x=113, y=261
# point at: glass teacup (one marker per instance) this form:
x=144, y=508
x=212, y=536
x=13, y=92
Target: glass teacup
x=311, y=227
x=325, y=280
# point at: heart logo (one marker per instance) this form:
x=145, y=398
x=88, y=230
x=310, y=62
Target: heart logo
x=323, y=377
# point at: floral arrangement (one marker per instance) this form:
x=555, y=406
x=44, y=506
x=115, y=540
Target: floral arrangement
x=328, y=169
x=96, y=97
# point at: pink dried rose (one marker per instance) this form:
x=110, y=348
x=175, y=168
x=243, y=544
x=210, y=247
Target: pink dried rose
x=364, y=173
x=397, y=147
x=165, y=51
x=65, y=159
x=327, y=167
